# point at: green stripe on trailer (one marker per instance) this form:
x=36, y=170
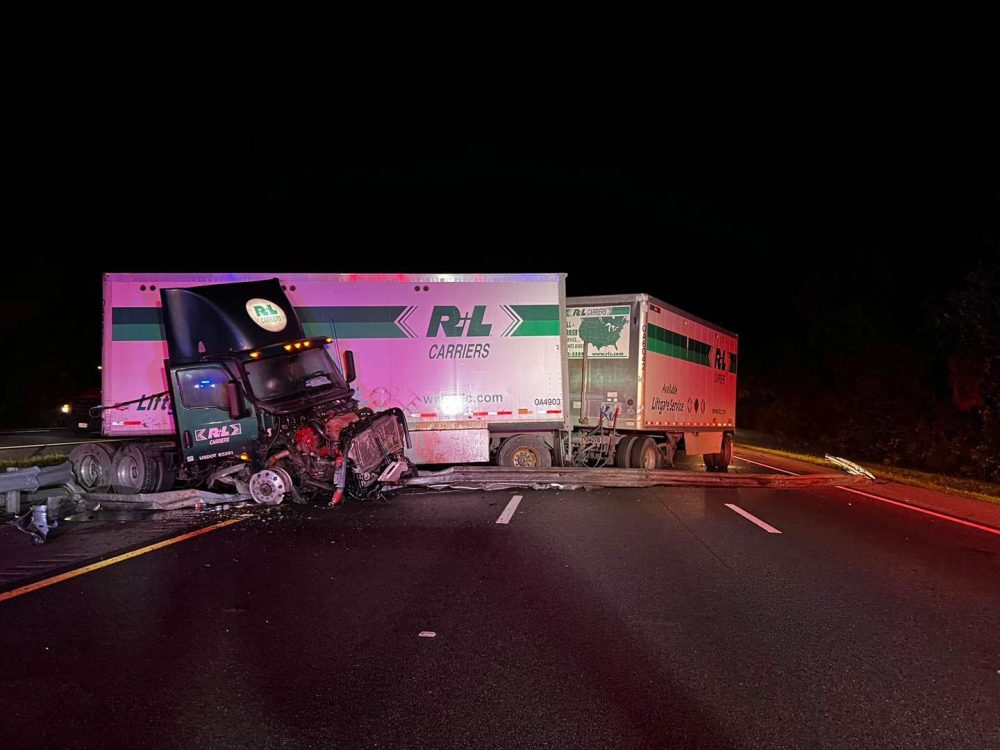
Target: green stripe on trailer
x=137, y=324
x=536, y=320
x=360, y=322
x=672, y=344
x=138, y=332
x=377, y=322
x=368, y=322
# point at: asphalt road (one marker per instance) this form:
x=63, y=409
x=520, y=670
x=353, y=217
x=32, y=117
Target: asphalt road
x=649, y=618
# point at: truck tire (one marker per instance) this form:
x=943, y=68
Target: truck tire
x=136, y=470
x=524, y=451
x=725, y=456
x=645, y=454
x=92, y=466
x=720, y=461
x=622, y=452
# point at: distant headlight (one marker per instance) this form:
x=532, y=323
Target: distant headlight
x=65, y=408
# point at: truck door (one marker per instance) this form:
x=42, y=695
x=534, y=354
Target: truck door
x=205, y=425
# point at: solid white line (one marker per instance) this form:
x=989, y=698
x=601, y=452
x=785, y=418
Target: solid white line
x=889, y=501
x=508, y=512
x=766, y=466
x=918, y=509
x=753, y=519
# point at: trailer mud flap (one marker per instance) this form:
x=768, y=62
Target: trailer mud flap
x=696, y=443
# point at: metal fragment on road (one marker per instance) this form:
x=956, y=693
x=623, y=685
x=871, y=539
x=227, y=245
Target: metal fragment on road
x=849, y=466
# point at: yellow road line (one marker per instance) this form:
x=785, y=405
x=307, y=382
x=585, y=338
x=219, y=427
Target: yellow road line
x=112, y=560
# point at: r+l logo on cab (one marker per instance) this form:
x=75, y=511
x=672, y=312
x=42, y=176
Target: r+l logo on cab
x=213, y=433
x=450, y=319
x=268, y=315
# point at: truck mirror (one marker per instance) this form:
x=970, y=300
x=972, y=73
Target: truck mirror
x=349, y=372
x=235, y=399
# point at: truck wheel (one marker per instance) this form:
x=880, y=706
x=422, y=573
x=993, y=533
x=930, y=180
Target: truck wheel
x=709, y=459
x=92, y=466
x=136, y=470
x=645, y=454
x=168, y=475
x=725, y=456
x=524, y=451
x=622, y=452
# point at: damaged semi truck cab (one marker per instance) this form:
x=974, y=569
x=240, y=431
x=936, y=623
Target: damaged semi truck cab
x=257, y=404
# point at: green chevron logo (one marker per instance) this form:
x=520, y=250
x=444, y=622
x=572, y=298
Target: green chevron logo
x=532, y=320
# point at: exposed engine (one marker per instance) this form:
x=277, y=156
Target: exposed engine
x=334, y=455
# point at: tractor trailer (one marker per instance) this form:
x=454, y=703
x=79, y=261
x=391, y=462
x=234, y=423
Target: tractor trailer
x=475, y=368
x=219, y=383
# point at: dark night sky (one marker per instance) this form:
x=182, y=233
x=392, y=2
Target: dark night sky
x=756, y=227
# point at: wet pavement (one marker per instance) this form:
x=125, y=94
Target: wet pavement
x=630, y=618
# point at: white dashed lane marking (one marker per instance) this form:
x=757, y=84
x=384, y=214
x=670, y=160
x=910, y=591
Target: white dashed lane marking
x=508, y=512
x=753, y=519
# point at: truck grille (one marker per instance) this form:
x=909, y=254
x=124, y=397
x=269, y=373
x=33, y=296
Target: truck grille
x=365, y=451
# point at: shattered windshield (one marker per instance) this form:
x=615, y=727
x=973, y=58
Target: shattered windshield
x=293, y=374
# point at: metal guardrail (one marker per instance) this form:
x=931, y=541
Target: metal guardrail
x=15, y=481
x=497, y=478
x=56, y=445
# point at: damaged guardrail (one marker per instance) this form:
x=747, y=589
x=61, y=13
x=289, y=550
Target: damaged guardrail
x=14, y=482
x=36, y=523
x=572, y=478
x=849, y=466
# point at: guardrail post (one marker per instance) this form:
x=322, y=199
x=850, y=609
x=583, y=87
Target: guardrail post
x=13, y=499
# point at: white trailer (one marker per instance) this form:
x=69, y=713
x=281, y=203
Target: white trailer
x=666, y=378
x=476, y=361
x=486, y=367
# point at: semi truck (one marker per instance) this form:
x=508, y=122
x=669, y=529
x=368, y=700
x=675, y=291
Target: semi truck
x=218, y=383
x=478, y=368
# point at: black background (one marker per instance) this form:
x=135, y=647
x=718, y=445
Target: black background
x=806, y=230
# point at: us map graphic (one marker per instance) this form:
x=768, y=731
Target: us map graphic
x=604, y=329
